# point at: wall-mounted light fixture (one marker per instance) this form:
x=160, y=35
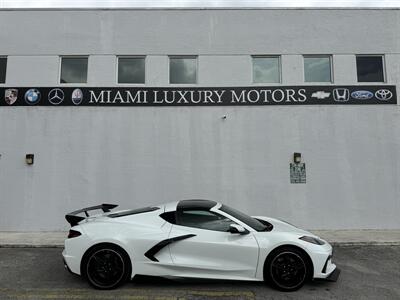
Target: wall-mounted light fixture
x=297, y=158
x=29, y=158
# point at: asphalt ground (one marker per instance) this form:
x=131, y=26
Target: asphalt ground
x=368, y=272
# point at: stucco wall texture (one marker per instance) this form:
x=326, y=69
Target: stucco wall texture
x=140, y=156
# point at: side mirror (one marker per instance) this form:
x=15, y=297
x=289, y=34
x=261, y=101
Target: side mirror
x=234, y=228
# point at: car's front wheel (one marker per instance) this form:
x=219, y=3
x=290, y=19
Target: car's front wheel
x=287, y=269
x=106, y=266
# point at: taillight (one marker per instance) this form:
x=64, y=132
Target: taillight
x=73, y=233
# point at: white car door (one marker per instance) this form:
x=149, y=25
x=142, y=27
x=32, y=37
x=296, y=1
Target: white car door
x=209, y=250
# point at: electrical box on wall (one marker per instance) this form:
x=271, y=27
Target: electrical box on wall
x=297, y=169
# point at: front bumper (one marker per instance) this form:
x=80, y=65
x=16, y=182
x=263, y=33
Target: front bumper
x=324, y=268
x=332, y=277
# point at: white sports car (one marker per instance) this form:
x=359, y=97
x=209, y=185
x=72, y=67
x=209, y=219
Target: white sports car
x=193, y=238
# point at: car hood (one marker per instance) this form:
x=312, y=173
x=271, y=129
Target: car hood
x=282, y=226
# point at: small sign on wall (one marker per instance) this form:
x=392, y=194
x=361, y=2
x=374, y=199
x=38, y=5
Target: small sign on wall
x=297, y=173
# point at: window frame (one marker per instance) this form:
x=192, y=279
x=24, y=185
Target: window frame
x=382, y=56
x=267, y=56
x=196, y=57
x=216, y=213
x=60, y=70
x=5, y=75
x=144, y=57
x=330, y=56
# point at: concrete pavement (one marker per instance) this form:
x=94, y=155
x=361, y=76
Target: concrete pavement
x=335, y=237
x=368, y=272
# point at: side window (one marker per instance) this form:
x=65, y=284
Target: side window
x=3, y=69
x=370, y=68
x=131, y=70
x=74, y=69
x=183, y=69
x=318, y=68
x=203, y=219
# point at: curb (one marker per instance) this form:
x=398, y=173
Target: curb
x=30, y=246
x=369, y=243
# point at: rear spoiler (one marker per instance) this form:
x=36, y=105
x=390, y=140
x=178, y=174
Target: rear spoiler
x=73, y=218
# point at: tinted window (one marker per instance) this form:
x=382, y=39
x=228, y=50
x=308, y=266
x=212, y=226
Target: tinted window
x=204, y=220
x=266, y=69
x=3, y=69
x=74, y=70
x=182, y=69
x=370, y=69
x=317, y=69
x=131, y=70
x=253, y=223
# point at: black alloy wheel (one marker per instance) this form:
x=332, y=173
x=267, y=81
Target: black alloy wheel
x=287, y=269
x=107, y=267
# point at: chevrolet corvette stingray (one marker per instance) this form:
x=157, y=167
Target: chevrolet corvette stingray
x=196, y=239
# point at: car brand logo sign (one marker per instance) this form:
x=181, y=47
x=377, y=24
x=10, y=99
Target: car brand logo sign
x=362, y=95
x=341, y=95
x=383, y=95
x=11, y=95
x=320, y=95
x=56, y=96
x=32, y=96
x=77, y=96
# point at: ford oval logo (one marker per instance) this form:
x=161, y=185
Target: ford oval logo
x=363, y=95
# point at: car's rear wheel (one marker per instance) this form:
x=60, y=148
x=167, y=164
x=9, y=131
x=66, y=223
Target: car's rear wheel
x=106, y=266
x=287, y=269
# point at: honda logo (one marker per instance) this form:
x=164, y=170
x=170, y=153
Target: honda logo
x=341, y=95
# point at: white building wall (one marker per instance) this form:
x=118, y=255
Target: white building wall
x=138, y=156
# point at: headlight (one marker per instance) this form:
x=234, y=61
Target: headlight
x=312, y=240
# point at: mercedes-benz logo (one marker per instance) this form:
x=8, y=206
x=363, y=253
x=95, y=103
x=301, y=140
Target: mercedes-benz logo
x=56, y=96
x=383, y=95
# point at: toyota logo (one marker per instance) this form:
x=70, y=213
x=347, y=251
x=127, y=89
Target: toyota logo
x=56, y=96
x=383, y=95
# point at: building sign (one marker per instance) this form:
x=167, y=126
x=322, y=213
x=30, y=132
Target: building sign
x=175, y=96
x=297, y=173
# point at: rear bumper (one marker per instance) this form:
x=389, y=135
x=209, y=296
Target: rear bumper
x=66, y=266
x=71, y=263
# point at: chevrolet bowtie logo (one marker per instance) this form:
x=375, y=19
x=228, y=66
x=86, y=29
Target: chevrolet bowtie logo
x=320, y=95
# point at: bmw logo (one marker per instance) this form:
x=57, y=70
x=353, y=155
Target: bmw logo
x=32, y=96
x=77, y=96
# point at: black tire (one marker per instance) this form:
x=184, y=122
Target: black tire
x=287, y=269
x=106, y=266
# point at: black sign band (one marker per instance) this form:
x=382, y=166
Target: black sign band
x=176, y=96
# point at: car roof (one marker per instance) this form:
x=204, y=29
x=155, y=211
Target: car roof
x=190, y=204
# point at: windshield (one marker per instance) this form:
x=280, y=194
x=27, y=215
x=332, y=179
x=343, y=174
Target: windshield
x=253, y=223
